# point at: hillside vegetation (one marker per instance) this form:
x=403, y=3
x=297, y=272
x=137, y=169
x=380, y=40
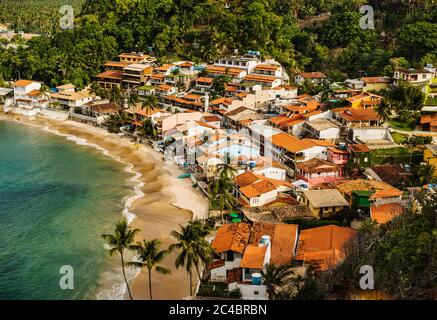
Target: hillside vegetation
x=405, y=35
x=34, y=16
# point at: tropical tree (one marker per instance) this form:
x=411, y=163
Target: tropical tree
x=426, y=174
x=220, y=194
x=149, y=257
x=150, y=103
x=44, y=91
x=219, y=83
x=406, y=100
x=220, y=188
x=226, y=170
x=384, y=110
x=193, y=249
x=117, y=120
x=119, y=242
x=275, y=277
x=148, y=129
x=115, y=95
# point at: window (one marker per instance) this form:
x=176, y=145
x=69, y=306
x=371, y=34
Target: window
x=230, y=256
x=256, y=293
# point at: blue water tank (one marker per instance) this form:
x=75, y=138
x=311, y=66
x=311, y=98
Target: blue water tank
x=256, y=278
x=342, y=146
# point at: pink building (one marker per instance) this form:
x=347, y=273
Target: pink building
x=317, y=171
x=338, y=156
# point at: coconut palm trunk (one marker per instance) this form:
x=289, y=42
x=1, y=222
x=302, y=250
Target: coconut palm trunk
x=150, y=284
x=191, y=282
x=124, y=276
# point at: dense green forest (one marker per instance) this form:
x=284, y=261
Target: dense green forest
x=292, y=32
x=34, y=16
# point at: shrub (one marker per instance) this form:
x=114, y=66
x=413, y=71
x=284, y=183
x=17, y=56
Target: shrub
x=236, y=293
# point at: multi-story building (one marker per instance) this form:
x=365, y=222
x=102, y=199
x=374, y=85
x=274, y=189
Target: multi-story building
x=68, y=98
x=245, y=62
x=27, y=97
x=416, y=77
x=135, y=75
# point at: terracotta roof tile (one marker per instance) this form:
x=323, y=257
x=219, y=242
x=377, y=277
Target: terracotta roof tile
x=290, y=143
x=385, y=212
x=246, y=179
x=23, y=83
x=231, y=237
x=316, y=165
x=315, y=243
x=253, y=257
x=313, y=75
x=256, y=189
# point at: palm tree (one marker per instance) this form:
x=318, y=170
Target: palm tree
x=44, y=91
x=275, y=277
x=193, y=249
x=225, y=169
x=117, y=120
x=115, y=95
x=220, y=189
x=150, y=103
x=149, y=257
x=148, y=129
x=121, y=241
x=384, y=110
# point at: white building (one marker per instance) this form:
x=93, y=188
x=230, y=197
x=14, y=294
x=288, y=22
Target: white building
x=27, y=97
x=68, y=98
x=247, y=63
x=323, y=129
x=243, y=253
x=415, y=77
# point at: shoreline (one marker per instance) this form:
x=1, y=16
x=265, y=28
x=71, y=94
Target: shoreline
x=156, y=186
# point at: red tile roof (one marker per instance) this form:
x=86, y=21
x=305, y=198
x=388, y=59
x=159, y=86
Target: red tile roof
x=231, y=237
x=313, y=75
x=322, y=243
x=385, y=212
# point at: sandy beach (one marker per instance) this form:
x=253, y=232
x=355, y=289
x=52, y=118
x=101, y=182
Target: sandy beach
x=165, y=202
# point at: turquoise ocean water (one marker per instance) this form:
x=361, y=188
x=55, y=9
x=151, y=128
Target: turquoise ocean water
x=56, y=198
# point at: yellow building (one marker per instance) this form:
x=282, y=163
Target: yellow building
x=324, y=203
x=364, y=100
x=430, y=156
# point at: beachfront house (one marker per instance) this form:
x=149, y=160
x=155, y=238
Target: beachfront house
x=229, y=244
x=6, y=97
x=28, y=98
x=67, y=98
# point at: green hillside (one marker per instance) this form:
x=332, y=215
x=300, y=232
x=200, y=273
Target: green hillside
x=290, y=31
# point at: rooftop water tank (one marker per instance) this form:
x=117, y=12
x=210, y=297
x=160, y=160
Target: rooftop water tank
x=256, y=279
x=265, y=240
